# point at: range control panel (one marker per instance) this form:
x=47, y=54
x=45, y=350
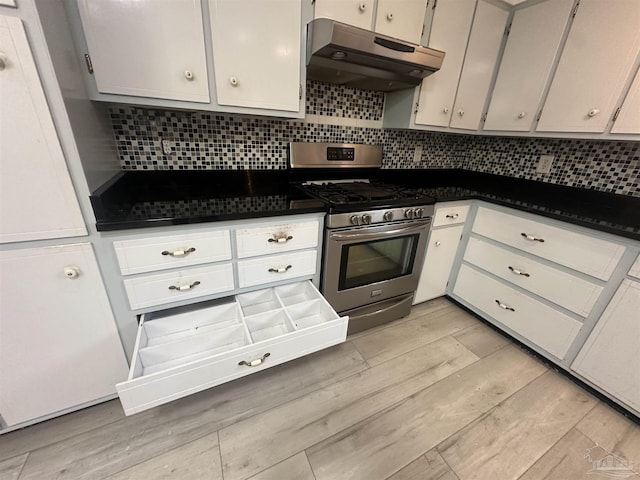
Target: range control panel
x=338, y=154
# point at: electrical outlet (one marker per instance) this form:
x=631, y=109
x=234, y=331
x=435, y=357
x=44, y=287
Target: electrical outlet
x=417, y=155
x=167, y=147
x=544, y=163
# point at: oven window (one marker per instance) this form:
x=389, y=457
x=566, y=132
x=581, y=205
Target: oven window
x=376, y=261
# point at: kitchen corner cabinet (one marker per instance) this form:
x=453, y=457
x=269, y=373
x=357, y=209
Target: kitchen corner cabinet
x=59, y=346
x=213, y=55
x=610, y=358
x=403, y=20
x=444, y=239
x=37, y=200
x=596, y=62
x=533, y=43
x=256, y=53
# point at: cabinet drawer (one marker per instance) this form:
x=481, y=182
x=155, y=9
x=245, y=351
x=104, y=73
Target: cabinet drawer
x=450, y=215
x=549, y=329
x=275, y=268
x=170, y=287
x=590, y=255
x=160, y=253
x=562, y=288
x=185, y=350
x=281, y=237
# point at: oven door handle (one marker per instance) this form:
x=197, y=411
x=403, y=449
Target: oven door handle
x=363, y=235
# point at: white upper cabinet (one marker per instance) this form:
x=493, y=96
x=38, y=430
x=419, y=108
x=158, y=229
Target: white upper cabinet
x=401, y=19
x=358, y=13
x=256, y=53
x=628, y=120
x=147, y=48
x=533, y=43
x=449, y=33
x=485, y=40
x=596, y=62
x=37, y=200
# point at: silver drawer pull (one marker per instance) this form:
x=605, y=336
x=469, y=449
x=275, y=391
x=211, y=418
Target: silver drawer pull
x=179, y=253
x=182, y=288
x=280, y=269
x=280, y=239
x=455, y=215
x=518, y=272
x=256, y=362
x=505, y=307
x=533, y=238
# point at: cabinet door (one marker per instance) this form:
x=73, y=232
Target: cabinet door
x=353, y=12
x=449, y=33
x=59, y=347
x=147, y=48
x=485, y=40
x=441, y=251
x=256, y=53
x=37, y=200
x=596, y=62
x=532, y=45
x=628, y=120
x=403, y=20
x=610, y=357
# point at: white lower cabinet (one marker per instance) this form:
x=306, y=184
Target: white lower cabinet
x=537, y=322
x=59, y=346
x=276, y=268
x=188, y=349
x=441, y=251
x=610, y=358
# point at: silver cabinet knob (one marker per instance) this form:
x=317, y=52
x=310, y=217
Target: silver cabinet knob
x=188, y=74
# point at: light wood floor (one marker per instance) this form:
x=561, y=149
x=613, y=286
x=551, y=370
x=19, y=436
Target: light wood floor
x=436, y=395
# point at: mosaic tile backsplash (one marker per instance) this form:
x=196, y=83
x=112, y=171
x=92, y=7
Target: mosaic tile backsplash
x=204, y=140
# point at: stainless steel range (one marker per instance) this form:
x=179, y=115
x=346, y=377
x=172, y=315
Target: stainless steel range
x=375, y=235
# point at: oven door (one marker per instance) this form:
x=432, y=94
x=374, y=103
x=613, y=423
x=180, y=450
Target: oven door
x=365, y=265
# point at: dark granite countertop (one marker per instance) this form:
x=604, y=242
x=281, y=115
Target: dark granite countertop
x=161, y=198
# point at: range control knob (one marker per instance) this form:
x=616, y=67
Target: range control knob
x=388, y=216
x=419, y=212
x=366, y=219
x=355, y=220
x=409, y=213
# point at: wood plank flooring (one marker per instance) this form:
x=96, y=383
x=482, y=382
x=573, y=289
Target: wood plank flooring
x=436, y=395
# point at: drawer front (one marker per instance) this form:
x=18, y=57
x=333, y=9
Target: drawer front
x=277, y=238
x=275, y=268
x=155, y=289
x=562, y=288
x=590, y=255
x=450, y=215
x=635, y=269
x=160, y=253
x=539, y=323
x=149, y=391
x=184, y=350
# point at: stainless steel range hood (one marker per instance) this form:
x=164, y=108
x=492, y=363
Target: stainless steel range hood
x=347, y=55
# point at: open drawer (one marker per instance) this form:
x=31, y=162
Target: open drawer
x=188, y=349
